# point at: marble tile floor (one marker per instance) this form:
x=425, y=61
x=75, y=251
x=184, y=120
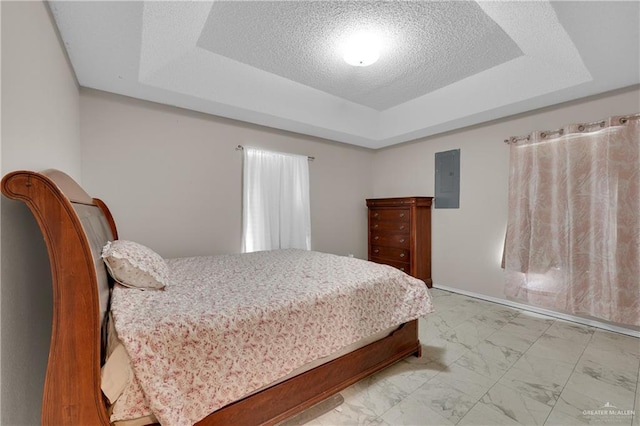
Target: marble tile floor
x=489, y=364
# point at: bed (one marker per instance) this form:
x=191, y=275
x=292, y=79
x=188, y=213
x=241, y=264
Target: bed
x=76, y=227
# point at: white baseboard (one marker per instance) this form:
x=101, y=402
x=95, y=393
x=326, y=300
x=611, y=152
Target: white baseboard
x=560, y=315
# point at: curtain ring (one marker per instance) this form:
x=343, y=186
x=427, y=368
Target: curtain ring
x=543, y=135
x=581, y=128
x=623, y=120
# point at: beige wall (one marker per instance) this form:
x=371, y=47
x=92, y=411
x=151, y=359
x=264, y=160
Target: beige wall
x=157, y=165
x=467, y=242
x=172, y=177
x=40, y=129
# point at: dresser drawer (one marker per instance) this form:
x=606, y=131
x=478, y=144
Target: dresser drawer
x=403, y=266
x=391, y=253
x=401, y=215
x=390, y=240
x=388, y=226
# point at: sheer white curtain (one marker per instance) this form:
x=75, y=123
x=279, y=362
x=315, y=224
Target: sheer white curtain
x=573, y=233
x=276, y=212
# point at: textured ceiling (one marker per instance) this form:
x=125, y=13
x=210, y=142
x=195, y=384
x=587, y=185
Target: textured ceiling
x=443, y=65
x=427, y=45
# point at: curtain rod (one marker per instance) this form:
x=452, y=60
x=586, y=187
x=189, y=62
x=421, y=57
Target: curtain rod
x=240, y=148
x=582, y=127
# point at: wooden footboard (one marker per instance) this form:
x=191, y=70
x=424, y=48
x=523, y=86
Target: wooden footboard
x=305, y=390
x=72, y=394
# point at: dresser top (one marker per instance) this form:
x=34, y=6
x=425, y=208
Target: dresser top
x=399, y=201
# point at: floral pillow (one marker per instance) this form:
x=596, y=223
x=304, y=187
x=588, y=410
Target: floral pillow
x=134, y=265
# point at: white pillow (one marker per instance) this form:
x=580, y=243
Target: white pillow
x=134, y=265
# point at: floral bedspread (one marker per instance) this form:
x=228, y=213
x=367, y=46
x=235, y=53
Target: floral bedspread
x=228, y=325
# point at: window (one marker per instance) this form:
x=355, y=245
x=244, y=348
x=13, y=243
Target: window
x=276, y=212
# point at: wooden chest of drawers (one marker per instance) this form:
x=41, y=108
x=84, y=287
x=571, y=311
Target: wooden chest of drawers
x=400, y=234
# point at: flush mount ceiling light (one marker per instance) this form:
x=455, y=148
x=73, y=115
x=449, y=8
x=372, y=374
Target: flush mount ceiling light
x=362, y=49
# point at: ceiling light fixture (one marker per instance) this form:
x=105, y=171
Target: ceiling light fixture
x=362, y=49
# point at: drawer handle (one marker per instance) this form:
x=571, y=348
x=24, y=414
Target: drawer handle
x=401, y=239
x=376, y=237
x=401, y=254
x=401, y=227
x=375, y=226
x=401, y=214
x=375, y=215
x=376, y=251
x=402, y=269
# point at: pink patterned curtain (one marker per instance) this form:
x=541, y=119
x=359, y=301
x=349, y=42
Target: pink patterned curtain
x=573, y=233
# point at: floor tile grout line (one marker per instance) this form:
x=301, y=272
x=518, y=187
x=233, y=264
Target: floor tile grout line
x=575, y=365
x=484, y=309
x=496, y=382
x=406, y=396
x=511, y=366
x=636, y=408
x=493, y=385
x=509, y=369
x=453, y=362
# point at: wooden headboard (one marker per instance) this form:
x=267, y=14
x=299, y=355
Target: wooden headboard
x=75, y=228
